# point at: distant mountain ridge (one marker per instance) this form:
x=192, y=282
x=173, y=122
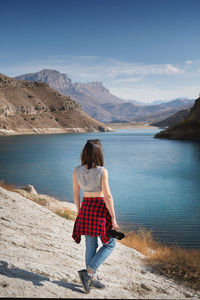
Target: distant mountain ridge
x=34, y=107
x=99, y=103
x=172, y=120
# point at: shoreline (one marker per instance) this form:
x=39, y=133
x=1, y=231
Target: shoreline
x=131, y=125
x=109, y=127
x=40, y=131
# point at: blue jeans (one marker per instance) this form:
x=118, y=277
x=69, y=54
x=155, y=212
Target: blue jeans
x=94, y=259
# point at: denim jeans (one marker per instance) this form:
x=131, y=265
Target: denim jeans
x=94, y=258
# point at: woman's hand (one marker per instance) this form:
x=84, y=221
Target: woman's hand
x=115, y=226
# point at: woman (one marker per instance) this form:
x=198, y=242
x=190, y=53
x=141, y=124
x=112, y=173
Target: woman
x=96, y=214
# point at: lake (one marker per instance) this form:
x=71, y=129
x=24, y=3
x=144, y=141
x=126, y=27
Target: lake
x=155, y=183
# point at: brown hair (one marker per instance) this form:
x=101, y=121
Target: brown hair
x=92, y=154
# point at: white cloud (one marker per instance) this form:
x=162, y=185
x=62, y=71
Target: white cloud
x=126, y=80
x=149, y=93
x=170, y=69
x=120, y=68
x=188, y=62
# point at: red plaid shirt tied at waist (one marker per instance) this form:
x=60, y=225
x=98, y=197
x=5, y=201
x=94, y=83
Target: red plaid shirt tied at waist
x=93, y=219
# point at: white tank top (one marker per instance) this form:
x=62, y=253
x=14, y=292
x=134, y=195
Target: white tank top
x=89, y=180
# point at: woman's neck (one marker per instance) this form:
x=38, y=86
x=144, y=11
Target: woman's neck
x=93, y=166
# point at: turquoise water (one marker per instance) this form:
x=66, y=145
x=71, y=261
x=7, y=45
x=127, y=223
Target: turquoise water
x=155, y=183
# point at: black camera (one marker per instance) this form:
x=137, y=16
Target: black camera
x=116, y=234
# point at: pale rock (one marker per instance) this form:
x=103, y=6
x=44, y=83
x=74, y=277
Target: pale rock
x=39, y=259
x=30, y=188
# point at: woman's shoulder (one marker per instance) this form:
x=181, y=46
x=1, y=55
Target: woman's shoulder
x=77, y=168
x=102, y=170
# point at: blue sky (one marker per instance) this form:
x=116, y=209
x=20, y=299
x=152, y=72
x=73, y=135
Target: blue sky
x=140, y=49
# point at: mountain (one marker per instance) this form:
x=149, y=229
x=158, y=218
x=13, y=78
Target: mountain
x=136, y=102
x=99, y=103
x=148, y=113
x=87, y=93
x=187, y=129
x=91, y=95
x=34, y=107
x=158, y=102
x=172, y=120
x=173, y=102
x=177, y=103
x=177, y=100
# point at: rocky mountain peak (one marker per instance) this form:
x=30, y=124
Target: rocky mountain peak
x=61, y=81
x=54, y=78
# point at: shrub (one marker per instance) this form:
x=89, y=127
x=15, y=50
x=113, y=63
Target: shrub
x=141, y=240
x=67, y=214
x=173, y=261
x=7, y=186
x=178, y=263
x=40, y=201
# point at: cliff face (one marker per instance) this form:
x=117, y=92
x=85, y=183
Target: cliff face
x=34, y=107
x=187, y=129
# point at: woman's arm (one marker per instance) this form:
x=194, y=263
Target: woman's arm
x=109, y=199
x=76, y=192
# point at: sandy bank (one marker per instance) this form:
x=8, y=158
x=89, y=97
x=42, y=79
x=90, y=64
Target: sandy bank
x=39, y=258
x=23, y=131
x=133, y=125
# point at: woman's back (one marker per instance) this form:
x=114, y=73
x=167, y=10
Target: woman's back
x=89, y=180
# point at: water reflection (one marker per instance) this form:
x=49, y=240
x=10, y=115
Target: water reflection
x=196, y=149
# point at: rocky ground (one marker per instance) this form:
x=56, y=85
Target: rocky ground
x=39, y=258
